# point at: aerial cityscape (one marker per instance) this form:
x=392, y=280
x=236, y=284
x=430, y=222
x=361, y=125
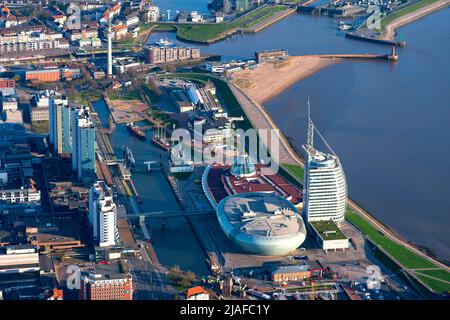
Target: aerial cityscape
x=237, y=150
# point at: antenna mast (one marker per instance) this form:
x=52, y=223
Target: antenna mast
x=310, y=140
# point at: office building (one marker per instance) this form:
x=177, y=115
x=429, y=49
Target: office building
x=19, y=266
x=39, y=108
x=83, y=148
x=59, y=123
x=103, y=214
x=95, y=286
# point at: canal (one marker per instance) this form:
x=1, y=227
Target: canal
x=389, y=123
x=176, y=244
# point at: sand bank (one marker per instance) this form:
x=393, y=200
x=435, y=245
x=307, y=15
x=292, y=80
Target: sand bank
x=270, y=79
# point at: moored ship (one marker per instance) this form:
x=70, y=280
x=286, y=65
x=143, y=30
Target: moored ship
x=135, y=130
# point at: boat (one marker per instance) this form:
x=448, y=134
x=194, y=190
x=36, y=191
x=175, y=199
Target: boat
x=135, y=130
x=160, y=140
x=344, y=26
x=178, y=164
x=129, y=157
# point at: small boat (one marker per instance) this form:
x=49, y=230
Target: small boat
x=135, y=130
x=344, y=27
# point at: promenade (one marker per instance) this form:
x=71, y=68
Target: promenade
x=389, y=31
x=261, y=119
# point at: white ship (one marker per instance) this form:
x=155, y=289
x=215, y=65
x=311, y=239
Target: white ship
x=344, y=27
x=177, y=162
x=130, y=157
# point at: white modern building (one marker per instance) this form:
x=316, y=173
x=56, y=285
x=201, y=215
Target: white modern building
x=153, y=13
x=103, y=214
x=325, y=193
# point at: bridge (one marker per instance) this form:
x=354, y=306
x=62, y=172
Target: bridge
x=170, y=214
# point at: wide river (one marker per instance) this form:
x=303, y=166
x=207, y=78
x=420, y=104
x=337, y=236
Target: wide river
x=389, y=123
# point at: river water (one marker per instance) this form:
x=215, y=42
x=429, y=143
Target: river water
x=389, y=123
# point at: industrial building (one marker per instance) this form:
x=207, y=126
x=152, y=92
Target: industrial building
x=271, y=55
x=51, y=75
x=19, y=266
x=261, y=223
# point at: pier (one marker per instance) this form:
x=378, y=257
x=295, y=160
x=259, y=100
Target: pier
x=357, y=36
x=392, y=56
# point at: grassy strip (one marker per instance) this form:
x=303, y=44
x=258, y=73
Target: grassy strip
x=436, y=285
x=404, y=256
x=125, y=95
x=208, y=32
x=297, y=171
x=441, y=274
x=403, y=11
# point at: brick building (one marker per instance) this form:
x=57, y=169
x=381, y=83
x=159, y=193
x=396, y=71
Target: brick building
x=96, y=286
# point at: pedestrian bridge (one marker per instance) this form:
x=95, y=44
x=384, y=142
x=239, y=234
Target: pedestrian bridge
x=170, y=214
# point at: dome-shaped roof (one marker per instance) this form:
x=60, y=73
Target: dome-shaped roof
x=243, y=166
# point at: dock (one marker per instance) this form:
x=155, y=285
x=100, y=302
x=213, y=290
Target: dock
x=357, y=36
x=392, y=56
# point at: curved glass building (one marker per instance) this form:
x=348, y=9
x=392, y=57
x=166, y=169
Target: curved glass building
x=325, y=193
x=261, y=223
x=243, y=167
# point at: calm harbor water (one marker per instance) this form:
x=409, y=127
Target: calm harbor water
x=200, y=6
x=176, y=245
x=389, y=123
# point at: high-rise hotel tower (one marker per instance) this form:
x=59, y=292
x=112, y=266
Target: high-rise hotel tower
x=325, y=188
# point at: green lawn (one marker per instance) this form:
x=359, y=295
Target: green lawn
x=401, y=12
x=125, y=95
x=406, y=257
x=436, y=285
x=441, y=274
x=207, y=32
x=328, y=230
x=297, y=171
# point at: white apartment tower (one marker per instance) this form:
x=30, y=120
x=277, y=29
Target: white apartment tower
x=325, y=187
x=103, y=214
x=110, y=35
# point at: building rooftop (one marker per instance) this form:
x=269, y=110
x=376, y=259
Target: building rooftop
x=195, y=291
x=328, y=230
x=243, y=166
x=291, y=269
x=221, y=183
x=261, y=214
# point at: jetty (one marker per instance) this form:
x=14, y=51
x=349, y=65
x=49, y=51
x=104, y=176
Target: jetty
x=357, y=36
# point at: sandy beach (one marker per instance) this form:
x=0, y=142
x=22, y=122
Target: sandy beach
x=270, y=79
x=389, y=32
